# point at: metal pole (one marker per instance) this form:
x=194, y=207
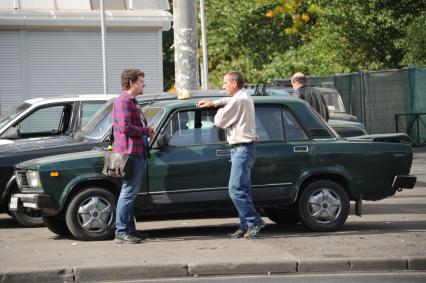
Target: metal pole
x=130, y=4
x=205, y=69
x=186, y=44
x=104, y=60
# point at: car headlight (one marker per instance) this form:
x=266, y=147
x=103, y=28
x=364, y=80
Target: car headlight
x=33, y=179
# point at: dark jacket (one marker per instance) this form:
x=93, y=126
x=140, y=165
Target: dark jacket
x=314, y=98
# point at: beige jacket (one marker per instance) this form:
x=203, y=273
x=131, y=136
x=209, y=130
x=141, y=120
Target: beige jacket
x=237, y=117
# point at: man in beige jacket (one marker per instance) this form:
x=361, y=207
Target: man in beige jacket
x=238, y=118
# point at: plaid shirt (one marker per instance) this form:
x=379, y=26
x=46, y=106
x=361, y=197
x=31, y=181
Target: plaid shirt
x=128, y=127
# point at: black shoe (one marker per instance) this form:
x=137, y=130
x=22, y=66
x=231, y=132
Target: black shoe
x=239, y=233
x=127, y=239
x=254, y=230
x=140, y=235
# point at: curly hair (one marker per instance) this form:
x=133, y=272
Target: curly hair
x=130, y=76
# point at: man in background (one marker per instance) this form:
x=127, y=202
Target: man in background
x=309, y=94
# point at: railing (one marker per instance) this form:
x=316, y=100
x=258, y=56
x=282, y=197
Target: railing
x=415, y=126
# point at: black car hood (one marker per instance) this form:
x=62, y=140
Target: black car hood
x=10, y=146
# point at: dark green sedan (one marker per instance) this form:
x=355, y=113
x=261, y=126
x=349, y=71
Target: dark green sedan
x=304, y=171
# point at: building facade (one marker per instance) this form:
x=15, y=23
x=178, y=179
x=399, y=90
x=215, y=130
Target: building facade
x=54, y=47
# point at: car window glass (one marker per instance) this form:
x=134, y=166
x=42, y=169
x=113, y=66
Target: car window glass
x=153, y=115
x=46, y=120
x=269, y=126
x=88, y=109
x=5, y=118
x=193, y=127
x=334, y=102
x=292, y=130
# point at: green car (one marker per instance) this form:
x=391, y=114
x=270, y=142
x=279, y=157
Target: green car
x=304, y=171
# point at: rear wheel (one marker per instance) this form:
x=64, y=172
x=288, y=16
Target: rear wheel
x=90, y=215
x=323, y=206
x=283, y=216
x=57, y=225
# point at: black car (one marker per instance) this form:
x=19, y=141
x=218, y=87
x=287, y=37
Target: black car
x=93, y=134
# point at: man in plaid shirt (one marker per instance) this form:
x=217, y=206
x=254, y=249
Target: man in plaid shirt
x=129, y=127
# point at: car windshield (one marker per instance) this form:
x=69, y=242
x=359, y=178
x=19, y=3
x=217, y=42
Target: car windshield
x=334, y=102
x=101, y=122
x=4, y=119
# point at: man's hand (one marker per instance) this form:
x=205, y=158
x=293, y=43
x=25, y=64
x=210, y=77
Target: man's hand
x=204, y=104
x=151, y=131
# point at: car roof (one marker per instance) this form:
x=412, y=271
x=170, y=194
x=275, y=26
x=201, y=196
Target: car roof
x=212, y=95
x=70, y=98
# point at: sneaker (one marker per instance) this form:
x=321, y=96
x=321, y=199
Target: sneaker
x=254, y=230
x=239, y=233
x=127, y=239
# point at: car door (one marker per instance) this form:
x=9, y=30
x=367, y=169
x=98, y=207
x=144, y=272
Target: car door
x=194, y=166
x=283, y=152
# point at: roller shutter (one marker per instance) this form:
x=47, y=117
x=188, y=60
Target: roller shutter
x=38, y=63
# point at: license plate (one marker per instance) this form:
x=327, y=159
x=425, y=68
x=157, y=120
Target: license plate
x=13, y=205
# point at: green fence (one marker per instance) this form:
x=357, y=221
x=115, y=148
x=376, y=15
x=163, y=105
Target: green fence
x=376, y=97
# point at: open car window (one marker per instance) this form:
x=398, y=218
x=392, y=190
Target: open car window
x=192, y=127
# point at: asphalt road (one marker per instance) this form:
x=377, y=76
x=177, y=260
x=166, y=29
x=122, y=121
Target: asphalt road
x=391, y=236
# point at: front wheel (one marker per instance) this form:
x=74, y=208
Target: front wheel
x=323, y=206
x=57, y=225
x=90, y=215
x=26, y=217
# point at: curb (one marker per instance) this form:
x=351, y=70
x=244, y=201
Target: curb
x=114, y=273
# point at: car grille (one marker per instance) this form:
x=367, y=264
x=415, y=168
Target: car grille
x=22, y=179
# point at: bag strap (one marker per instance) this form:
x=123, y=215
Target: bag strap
x=111, y=138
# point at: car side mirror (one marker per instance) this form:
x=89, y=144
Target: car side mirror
x=11, y=133
x=162, y=141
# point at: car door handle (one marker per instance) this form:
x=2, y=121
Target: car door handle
x=300, y=149
x=223, y=152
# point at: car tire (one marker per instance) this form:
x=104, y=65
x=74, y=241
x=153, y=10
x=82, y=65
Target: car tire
x=323, y=206
x=90, y=215
x=282, y=216
x=57, y=225
x=25, y=216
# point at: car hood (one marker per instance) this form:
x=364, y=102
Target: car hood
x=344, y=123
x=49, y=162
x=9, y=146
x=342, y=116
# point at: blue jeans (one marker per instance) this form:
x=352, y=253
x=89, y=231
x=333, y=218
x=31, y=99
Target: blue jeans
x=125, y=217
x=243, y=158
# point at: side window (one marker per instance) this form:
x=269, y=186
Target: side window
x=269, y=126
x=45, y=120
x=88, y=109
x=292, y=130
x=193, y=127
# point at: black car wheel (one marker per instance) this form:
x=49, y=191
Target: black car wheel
x=57, y=225
x=27, y=217
x=90, y=215
x=323, y=206
x=283, y=216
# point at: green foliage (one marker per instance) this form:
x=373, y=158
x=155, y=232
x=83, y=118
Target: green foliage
x=265, y=39
x=414, y=42
x=249, y=35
